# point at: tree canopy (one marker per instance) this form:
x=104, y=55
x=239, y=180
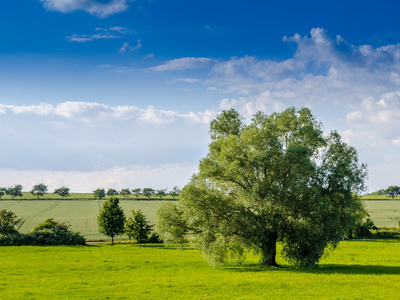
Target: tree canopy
x=392, y=191
x=99, y=193
x=62, y=191
x=39, y=190
x=137, y=227
x=278, y=178
x=15, y=191
x=8, y=222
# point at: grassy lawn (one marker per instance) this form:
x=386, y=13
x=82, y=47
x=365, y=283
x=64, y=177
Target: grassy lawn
x=356, y=270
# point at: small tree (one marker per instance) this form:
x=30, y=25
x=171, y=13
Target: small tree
x=137, y=192
x=175, y=192
x=392, y=191
x=161, y=193
x=15, y=191
x=99, y=193
x=39, y=190
x=148, y=192
x=8, y=222
x=112, y=192
x=62, y=191
x=125, y=192
x=137, y=227
x=111, y=218
x=2, y=192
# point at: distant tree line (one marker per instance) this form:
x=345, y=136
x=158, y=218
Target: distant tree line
x=101, y=193
x=39, y=190
x=392, y=191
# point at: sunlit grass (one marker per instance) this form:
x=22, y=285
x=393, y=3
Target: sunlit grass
x=356, y=270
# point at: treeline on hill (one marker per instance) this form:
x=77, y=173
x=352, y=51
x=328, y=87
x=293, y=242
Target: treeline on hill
x=392, y=191
x=40, y=190
x=50, y=232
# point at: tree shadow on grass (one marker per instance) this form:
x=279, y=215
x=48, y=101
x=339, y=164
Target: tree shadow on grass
x=322, y=269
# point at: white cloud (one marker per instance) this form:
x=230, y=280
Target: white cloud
x=185, y=63
x=88, y=144
x=149, y=56
x=100, y=35
x=99, y=8
x=125, y=47
x=186, y=80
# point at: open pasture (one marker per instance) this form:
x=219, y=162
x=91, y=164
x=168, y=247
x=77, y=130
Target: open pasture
x=81, y=214
x=384, y=212
x=356, y=270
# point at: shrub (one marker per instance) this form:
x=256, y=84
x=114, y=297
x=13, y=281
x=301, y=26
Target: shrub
x=42, y=238
x=51, y=224
x=363, y=229
x=154, y=238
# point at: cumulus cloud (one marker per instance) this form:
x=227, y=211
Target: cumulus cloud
x=99, y=8
x=185, y=63
x=73, y=142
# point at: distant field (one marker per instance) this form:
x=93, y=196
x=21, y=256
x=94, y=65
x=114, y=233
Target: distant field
x=378, y=197
x=384, y=212
x=82, y=215
x=367, y=269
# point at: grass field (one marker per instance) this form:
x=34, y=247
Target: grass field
x=82, y=215
x=356, y=270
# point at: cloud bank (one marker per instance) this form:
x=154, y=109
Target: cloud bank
x=99, y=8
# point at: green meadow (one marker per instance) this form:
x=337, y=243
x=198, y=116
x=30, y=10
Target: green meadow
x=82, y=215
x=367, y=269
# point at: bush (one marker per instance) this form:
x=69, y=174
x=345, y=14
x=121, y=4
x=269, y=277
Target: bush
x=42, y=238
x=363, y=229
x=51, y=224
x=154, y=238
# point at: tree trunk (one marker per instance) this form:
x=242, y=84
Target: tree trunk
x=112, y=240
x=269, y=251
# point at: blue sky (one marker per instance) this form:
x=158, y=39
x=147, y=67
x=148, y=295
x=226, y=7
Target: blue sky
x=115, y=94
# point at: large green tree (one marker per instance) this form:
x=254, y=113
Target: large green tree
x=137, y=227
x=277, y=179
x=111, y=218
